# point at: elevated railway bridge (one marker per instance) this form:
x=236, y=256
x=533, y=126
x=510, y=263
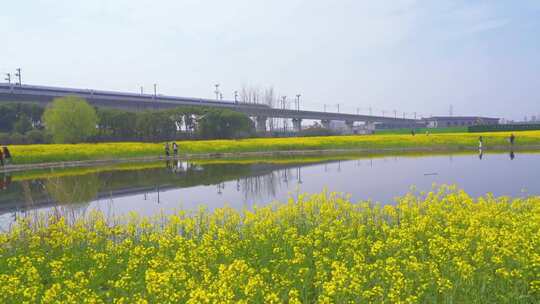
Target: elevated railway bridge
x=138, y=102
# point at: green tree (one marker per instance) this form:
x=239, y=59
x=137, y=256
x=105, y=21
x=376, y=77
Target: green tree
x=70, y=120
x=23, y=124
x=225, y=124
x=36, y=136
x=35, y=113
x=155, y=126
x=8, y=116
x=116, y=124
x=11, y=113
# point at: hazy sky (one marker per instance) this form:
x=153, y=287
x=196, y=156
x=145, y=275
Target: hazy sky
x=482, y=57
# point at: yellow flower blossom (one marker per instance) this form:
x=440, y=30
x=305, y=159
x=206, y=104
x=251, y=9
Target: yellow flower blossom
x=436, y=247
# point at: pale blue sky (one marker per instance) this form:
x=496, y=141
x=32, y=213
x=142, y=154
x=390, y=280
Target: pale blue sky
x=483, y=57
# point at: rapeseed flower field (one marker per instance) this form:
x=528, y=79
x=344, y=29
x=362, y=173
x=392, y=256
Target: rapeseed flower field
x=437, y=247
x=28, y=154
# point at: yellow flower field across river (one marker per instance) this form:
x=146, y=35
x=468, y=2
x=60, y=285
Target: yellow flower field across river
x=27, y=154
x=439, y=247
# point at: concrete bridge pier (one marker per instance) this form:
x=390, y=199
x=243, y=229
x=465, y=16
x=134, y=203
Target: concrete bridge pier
x=325, y=123
x=370, y=127
x=297, y=124
x=260, y=124
x=349, y=126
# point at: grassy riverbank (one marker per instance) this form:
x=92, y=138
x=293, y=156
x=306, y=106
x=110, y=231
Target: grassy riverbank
x=28, y=154
x=445, y=247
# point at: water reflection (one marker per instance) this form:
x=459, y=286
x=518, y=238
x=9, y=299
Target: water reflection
x=73, y=191
x=260, y=186
x=254, y=181
x=181, y=166
x=5, y=181
x=191, y=183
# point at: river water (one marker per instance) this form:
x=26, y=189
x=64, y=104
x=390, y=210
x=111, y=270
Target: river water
x=168, y=186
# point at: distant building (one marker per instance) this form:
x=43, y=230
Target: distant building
x=357, y=128
x=341, y=127
x=337, y=125
x=401, y=125
x=459, y=121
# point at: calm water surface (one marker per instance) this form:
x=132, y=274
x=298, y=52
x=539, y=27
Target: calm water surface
x=174, y=185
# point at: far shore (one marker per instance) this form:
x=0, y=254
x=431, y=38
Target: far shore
x=89, y=154
x=262, y=155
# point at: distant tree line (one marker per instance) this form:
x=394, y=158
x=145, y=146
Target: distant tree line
x=178, y=123
x=72, y=120
x=21, y=123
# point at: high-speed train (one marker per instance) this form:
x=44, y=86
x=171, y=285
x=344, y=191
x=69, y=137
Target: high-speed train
x=44, y=94
x=136, y=102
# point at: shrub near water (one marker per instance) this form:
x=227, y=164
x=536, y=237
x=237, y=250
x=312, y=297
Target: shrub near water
x=445, y=248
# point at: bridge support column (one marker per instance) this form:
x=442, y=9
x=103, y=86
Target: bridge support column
x=325, y=123
x=370, y=127
x=349, y=126
x=260, y=124
x=297, y=124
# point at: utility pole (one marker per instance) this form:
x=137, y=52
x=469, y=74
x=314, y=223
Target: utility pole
x=283, y=102
x=283, y=105
x=324, y=107
x=235, y=96
x=155, y=90
x=142, y=90
x=415, y=115
x=18, y=75
x=395, y=114
x=217, y=91
x=403, y=115
x=337, y=107
x=383, y=111
x=298, y=102
x=8, y=77
x=220, y=96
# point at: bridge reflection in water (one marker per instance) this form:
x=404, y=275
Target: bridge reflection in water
x=72, y=194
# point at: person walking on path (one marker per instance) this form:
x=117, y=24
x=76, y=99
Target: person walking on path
x=7, y=155
x=167, y=150
x=412, y=132
x=511, y=139
x=480, y=142
x=175, y=149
